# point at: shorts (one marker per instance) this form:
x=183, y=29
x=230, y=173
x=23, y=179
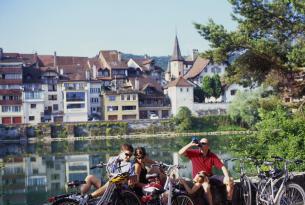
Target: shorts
x=216, y=180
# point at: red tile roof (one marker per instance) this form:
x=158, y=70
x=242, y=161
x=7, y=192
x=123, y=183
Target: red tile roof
x=144, y=82
x=199, y=65
x=179, y=82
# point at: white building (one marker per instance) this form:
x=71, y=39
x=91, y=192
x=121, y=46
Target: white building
x=193, y=71
x=75, y=100
x=181, y=93
x=94, y=98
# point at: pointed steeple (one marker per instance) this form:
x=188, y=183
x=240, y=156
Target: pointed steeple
x=176, y=52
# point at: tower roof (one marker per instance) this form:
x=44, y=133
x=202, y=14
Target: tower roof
x=176, y=52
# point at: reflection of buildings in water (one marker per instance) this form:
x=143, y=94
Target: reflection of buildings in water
x=10, y=149
x=35, y=171
x=1, y=182
x=14, y=181
x=77, y=167
x=56, y=173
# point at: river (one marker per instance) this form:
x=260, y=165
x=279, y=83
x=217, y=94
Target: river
x=30, y=173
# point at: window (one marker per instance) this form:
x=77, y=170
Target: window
x=31, y=118
x=134, y=97
x=233, y=92
x=75, y=106
x=94, y=100
x=52, y=97
x=16, y=108
x=75, y=96
x=112, y=108
x=129, y=107
x=128, y=97
x=55, y=107
x=111, y=98
x=52, y=88
x=187, y=89
x=33, y=106
x=181, y=89
x=122, y=97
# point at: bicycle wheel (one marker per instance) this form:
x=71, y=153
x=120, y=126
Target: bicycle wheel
x=246, y=194
x=293, y=194
x=65, y=202
x=263, y=195
x=182, y=200
x=127, y=197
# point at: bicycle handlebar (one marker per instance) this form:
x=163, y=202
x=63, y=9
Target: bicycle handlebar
x=99, y=165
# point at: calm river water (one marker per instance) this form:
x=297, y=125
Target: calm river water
x=30, y=173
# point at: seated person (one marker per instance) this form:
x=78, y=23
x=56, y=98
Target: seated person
x=197, y=189
x=141, y=161
x=122, y=160
x=203, y=159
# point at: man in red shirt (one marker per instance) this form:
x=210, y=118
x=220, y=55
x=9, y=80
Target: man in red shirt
x=203, y=160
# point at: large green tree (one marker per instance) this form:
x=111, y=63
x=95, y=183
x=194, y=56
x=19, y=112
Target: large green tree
x=211, y=86
x=269, y=39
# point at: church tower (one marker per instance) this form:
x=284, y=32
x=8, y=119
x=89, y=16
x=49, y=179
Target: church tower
x=177, y=62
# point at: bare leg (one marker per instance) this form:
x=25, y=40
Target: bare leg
x=230, y=188
x=90, y=180
x=207, y=190
x=100, y=190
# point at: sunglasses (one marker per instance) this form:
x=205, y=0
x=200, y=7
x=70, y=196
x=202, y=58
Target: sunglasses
x=128, y=154
x=203, y=143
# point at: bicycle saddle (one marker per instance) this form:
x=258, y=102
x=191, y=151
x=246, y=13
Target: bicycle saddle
x=76, y=183
x=150, y=176
x=276, y=173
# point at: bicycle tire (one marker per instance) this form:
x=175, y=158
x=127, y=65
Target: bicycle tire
x=127, y=197
x=182, y=200
x=246, y=192
x=65, y=201
x=300, y=196
x=264, y=195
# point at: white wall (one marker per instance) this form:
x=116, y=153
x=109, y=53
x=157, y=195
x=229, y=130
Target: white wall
x=181, y=96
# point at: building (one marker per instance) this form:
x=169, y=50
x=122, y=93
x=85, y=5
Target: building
x=11, y=109
x=33, y=96
x=120, y=105
x=151, y=97
x=181, y=94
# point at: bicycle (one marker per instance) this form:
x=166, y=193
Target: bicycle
x=276, y=187
x=245, y=182
x=154, y=193
x=116, y=193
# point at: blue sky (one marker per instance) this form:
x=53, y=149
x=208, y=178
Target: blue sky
x=83, y=27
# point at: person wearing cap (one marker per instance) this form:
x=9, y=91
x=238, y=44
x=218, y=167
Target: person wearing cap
x=196, y=189
x=203, y=159
x=120, y=163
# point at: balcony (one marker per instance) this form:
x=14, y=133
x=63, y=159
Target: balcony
x=10, y=102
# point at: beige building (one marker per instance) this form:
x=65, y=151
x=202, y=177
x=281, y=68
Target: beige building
x=120, y=105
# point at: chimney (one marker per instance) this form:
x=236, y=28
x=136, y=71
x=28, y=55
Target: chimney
x=87, y=75
x=55, y=59
x=195, y=54
x=36, y=60
x=136, y=84
x=1, y=53
x=119, y=56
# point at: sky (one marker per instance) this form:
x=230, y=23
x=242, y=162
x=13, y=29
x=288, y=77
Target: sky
x=84, y=27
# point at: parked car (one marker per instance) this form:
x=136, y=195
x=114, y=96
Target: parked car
x=153, y=116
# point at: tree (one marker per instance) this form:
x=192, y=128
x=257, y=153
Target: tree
x=184, y=119
x=207, y=86
x=216, y=85
x=269, y=40
x=211, y=86
x=198, y=95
